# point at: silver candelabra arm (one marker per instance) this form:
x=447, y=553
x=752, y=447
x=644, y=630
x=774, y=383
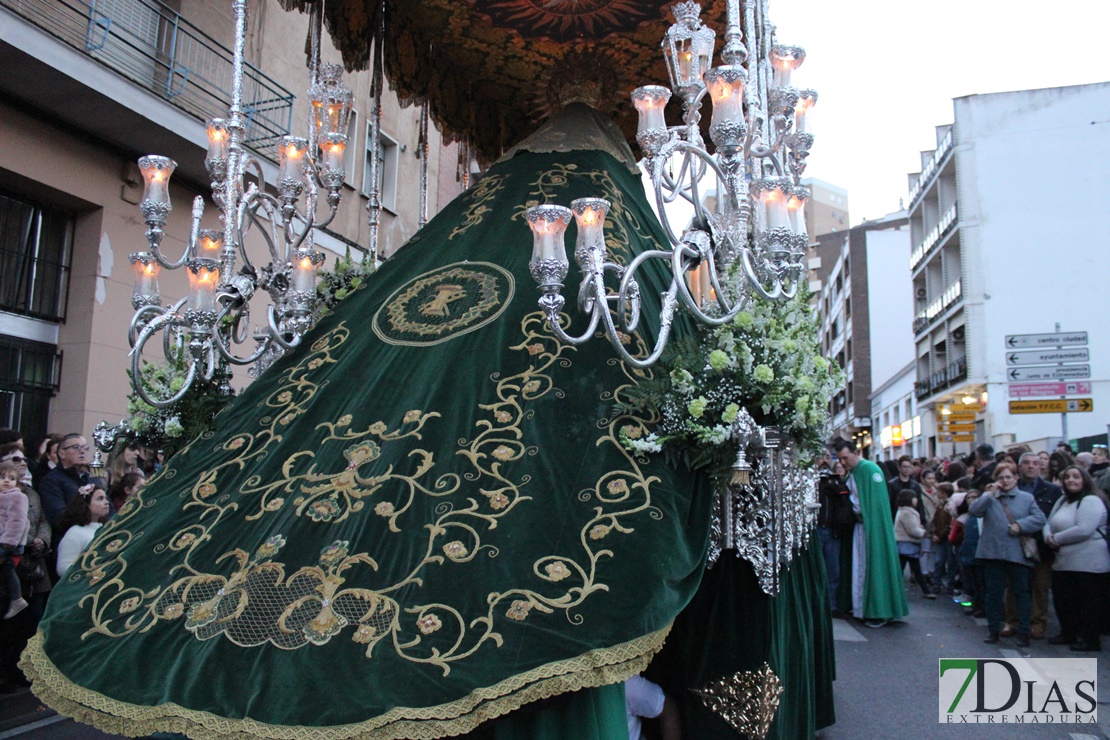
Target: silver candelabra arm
x=170, y=320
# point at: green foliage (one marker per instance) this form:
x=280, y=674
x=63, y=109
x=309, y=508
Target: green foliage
x=336, y=284
x=171, y=428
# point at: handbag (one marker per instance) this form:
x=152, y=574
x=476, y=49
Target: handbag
x=1028, y=543
x=31, y=568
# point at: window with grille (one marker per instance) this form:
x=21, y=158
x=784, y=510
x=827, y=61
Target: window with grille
x=36, y=251
x=29, y=374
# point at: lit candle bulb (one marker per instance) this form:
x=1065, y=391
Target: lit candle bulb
x=291, y=154
x=650, y=101
x=145, y=269
x=333, y=148
x=774, y=201
x=335, y=111
x=589, y=213
x=209, y=243
x=156, y=172
x=549, y=255
x=686, y=65
x=305, y=264
x=784, y=60
x=694, y=281
x=204, y=276
x=795, y=207
x=217, y=139
x=802, y=111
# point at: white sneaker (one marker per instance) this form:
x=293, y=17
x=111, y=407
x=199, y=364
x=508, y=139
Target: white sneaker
x=17, y=606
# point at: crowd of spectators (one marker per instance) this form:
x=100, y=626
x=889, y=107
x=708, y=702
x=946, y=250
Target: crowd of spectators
x=51, y=504
x=1003, y=534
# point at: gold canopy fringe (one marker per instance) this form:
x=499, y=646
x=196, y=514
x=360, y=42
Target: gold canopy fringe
x=596, y=668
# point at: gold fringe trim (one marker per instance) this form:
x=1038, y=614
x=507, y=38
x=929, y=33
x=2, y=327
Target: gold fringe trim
x=596, y=668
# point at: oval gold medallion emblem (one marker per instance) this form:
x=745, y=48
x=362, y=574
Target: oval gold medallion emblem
x=444, y=303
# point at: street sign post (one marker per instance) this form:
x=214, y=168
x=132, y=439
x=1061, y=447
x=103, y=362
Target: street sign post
x=1024, y=390
x=1062, y=339
x=1054, y=357
x=1047, y=356
x=954, y=428
x=1052, y=406
x=1063, y=372
x=956, y=437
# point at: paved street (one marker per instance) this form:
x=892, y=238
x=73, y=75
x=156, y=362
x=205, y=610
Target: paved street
x=886, y=683
x=887, y=678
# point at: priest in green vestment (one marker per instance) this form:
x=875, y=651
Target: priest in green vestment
x=873, y=591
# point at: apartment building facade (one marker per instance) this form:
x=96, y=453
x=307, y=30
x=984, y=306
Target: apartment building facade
x=863, y=310
x=1007, y=241
x=90, y=86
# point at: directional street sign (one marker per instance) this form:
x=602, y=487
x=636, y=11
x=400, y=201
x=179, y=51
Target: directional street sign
x=955, y=428
x=958, y=416
x=1063, y=372
x=1052, y=406
x=956, y=437
x=1061, y=339
x=1024, y=390
x=1045, y=356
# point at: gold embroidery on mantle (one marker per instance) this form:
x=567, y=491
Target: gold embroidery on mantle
x=444, y=303
x=260, y=602
x=747, y=700
x=482, y=194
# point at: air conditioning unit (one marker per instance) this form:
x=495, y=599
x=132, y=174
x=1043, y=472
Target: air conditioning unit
x=921, y=293
x=958, y=334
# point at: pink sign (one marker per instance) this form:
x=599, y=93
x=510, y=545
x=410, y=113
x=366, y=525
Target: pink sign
x=1026, y=390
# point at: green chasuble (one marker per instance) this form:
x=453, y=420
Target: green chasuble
x=884, y=596
x=418, y=521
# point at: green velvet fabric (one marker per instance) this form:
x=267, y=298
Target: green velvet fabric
x=884, y=596
x=419, y=520
x=732, y=625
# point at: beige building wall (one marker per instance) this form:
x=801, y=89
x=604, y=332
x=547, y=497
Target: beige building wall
x=53, y=163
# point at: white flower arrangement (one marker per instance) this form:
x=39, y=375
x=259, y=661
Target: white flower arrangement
x=767, y=360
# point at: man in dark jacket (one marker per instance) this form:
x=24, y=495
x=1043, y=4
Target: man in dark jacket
x=984, y=474
x=1040, y=579
x=836, y=523
x=905, y=481
x=60, y=485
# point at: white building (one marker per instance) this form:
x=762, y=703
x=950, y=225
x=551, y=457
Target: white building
x=1009, y=231
x=865, y=317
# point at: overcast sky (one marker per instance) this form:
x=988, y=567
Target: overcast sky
x=886, y=72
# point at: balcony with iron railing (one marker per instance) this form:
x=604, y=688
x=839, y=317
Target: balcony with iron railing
x=946, y=378
x=941, y=304
x=930, y=169
x=934, y=237
x=158, y=50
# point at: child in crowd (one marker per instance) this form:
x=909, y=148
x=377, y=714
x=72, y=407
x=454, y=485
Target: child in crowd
x=83, y=515
x=966, y=532
x=908, y=533
x=14, y=527
x=943, y=558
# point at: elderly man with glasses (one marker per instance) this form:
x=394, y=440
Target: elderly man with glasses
x=61, y=484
